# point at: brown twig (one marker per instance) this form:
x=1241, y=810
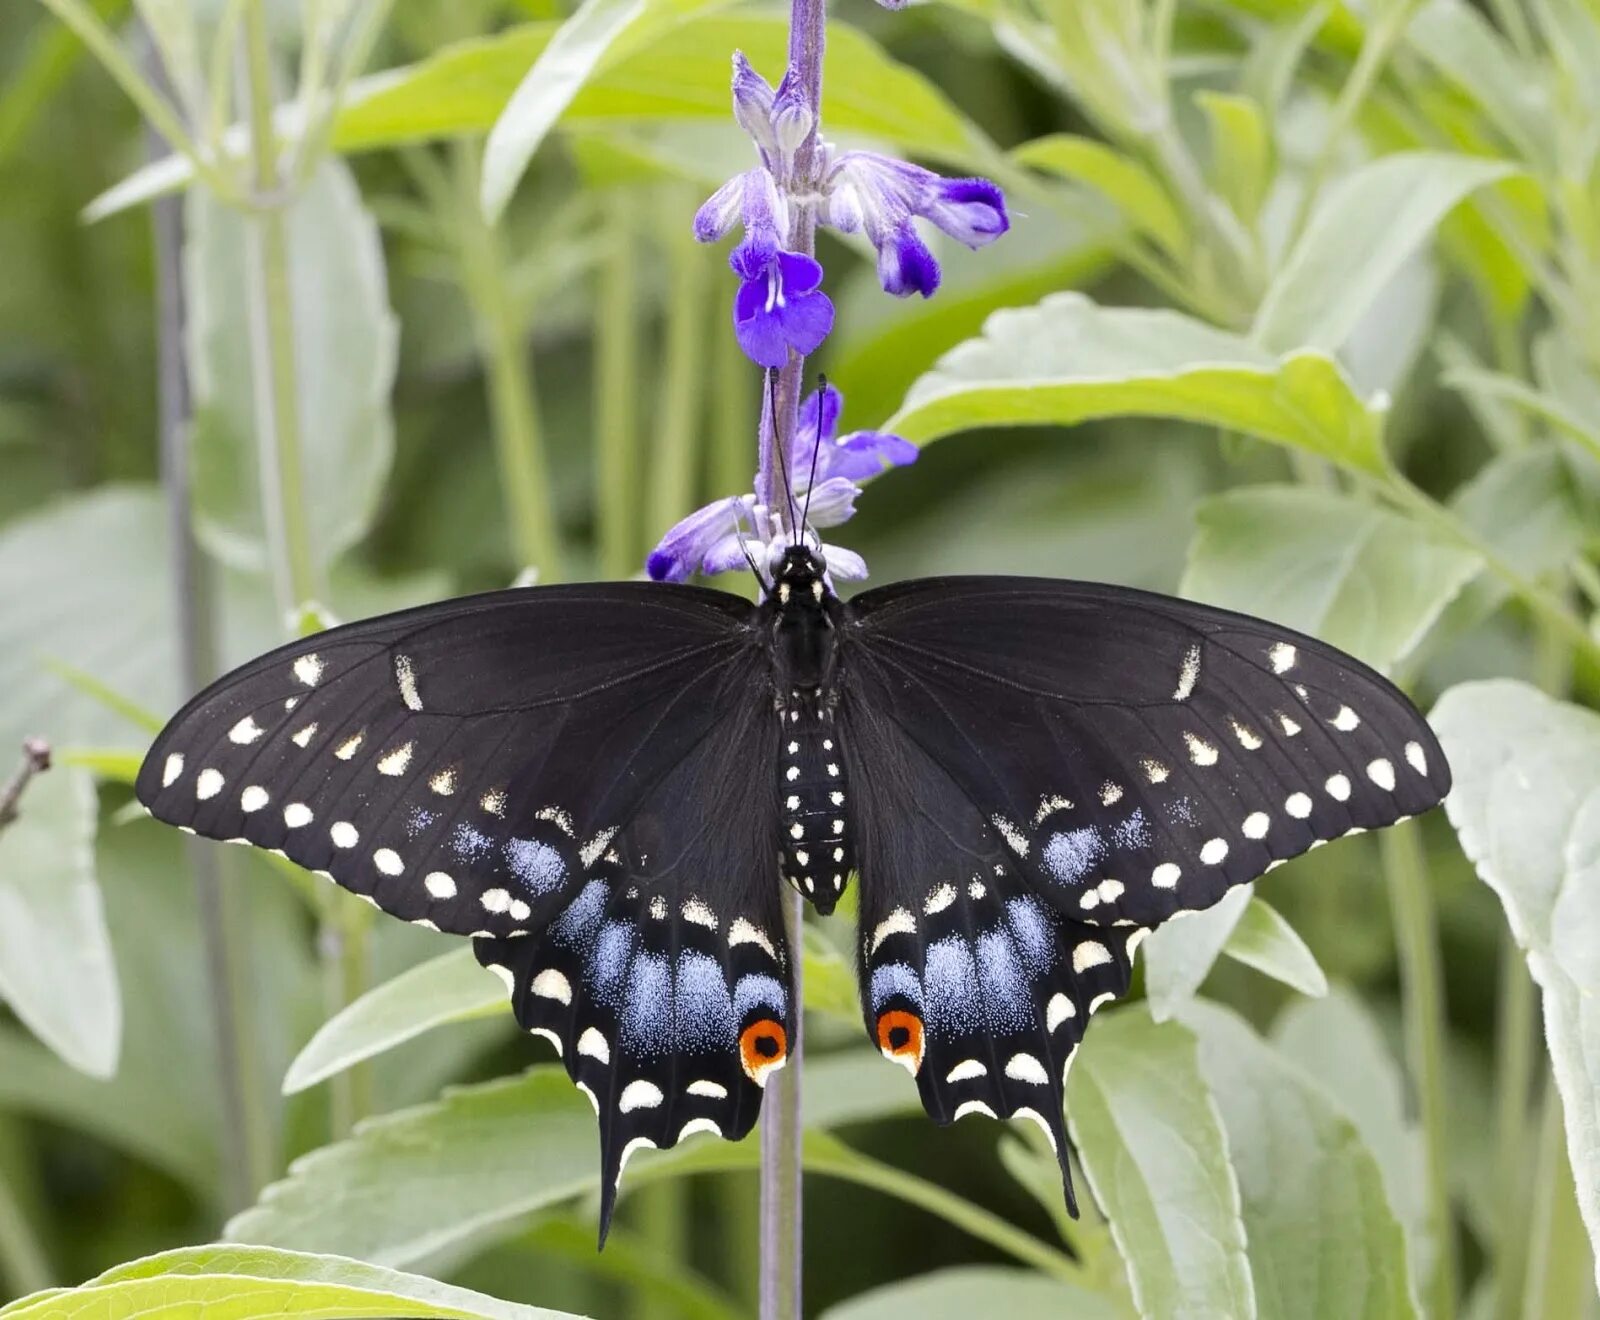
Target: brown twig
x=35, y=761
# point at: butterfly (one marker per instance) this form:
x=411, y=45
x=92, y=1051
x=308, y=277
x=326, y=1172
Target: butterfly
x=605, y=786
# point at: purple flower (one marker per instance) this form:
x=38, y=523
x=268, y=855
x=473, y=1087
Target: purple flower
x=823, y=471
x=779, y=306
x=881, y=196
x=855, y=457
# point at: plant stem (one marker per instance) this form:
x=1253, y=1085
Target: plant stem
x=616, y=388
x=1422, y=990
x=683, y=372
x=1560, y=1282
x=247, y=1135
x=1514, y=1054
x=781, y=1135
x=321, y=112
x=502, y=338
x=271, y=315
x=23, y=1262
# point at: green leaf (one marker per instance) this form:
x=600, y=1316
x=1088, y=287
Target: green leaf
x=419, y=1181
x=1357, y=576
x=171, y=24
x=680, y=75
x=346, y=351
x=1122, y=180
x=450, y=988
x=1527, y=505
x=544, y=94
x=1526, y=806
x=1336, y=1041
x=1265, y=941
x=1241, y=150
x=1361, y=233
x=1179, y=955
x=976, y=1290
x=243, y=1283
x=1323, y=1240
x=1157, y=1158
x=881, y=345
x=1068, y=360
x=56, y=970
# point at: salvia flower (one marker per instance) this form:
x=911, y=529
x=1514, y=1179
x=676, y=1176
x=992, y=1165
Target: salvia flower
x=824, y=469
x=881, y=196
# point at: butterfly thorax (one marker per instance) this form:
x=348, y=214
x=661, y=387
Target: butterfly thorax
x=817, y=856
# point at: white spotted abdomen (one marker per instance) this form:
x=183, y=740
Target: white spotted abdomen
x=812, y=795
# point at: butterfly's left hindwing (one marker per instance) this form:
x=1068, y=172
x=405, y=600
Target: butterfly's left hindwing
x=665, y=982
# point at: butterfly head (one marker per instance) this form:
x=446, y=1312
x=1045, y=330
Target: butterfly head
x=800, y=575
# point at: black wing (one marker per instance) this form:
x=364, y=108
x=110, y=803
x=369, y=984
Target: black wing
x=579, y=776
x=1042, y=771
x=457, y=764
x=975, y=984
x=1139, y=755
x=665, y=982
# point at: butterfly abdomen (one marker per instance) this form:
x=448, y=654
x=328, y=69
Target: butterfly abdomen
x=813, y=793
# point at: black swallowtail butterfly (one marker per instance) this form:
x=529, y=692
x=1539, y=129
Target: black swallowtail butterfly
x=601, y=786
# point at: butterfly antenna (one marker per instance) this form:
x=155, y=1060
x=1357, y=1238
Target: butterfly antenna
x=816, y=452
x=749, y=558
x=783, y=467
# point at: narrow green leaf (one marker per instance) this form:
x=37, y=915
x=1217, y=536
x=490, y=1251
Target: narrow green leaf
x=1463, y=45
x=1526, y=806
x=449, y=988
x=830, y=981
x=1124, y=182
x=171, y=24
x=419, y=1181
x=1528, y=505
x=680, y=75
x=544, y=94
x=1364, y=579
x=1360, y=235
x=1180, y=954
x=1336, y=1041
x=1323, y=1240
x=1068, y=360
x=257, y=1283
x=1265, y=941
x=1153, y=1146
x=1241, y=150
x=976, y=1290
x=56, y=970
x=346, y=351
x=1531, y=400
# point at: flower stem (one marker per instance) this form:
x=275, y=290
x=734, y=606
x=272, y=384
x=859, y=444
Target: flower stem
x=616, y=386
x=247, y=1135
x=271, y=316
x=519, y=437
x=781, y=1134
x=23, y=1263
x=1422, y=989
x=1559, y=1282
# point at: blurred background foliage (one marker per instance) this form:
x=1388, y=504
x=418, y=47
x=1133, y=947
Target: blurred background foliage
x=1304, y=319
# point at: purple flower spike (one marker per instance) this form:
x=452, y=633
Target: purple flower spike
x=780, y=308
x=905, y=265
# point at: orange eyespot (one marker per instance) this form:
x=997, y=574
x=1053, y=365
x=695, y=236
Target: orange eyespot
x=763, y=1048
x=900, y=1038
